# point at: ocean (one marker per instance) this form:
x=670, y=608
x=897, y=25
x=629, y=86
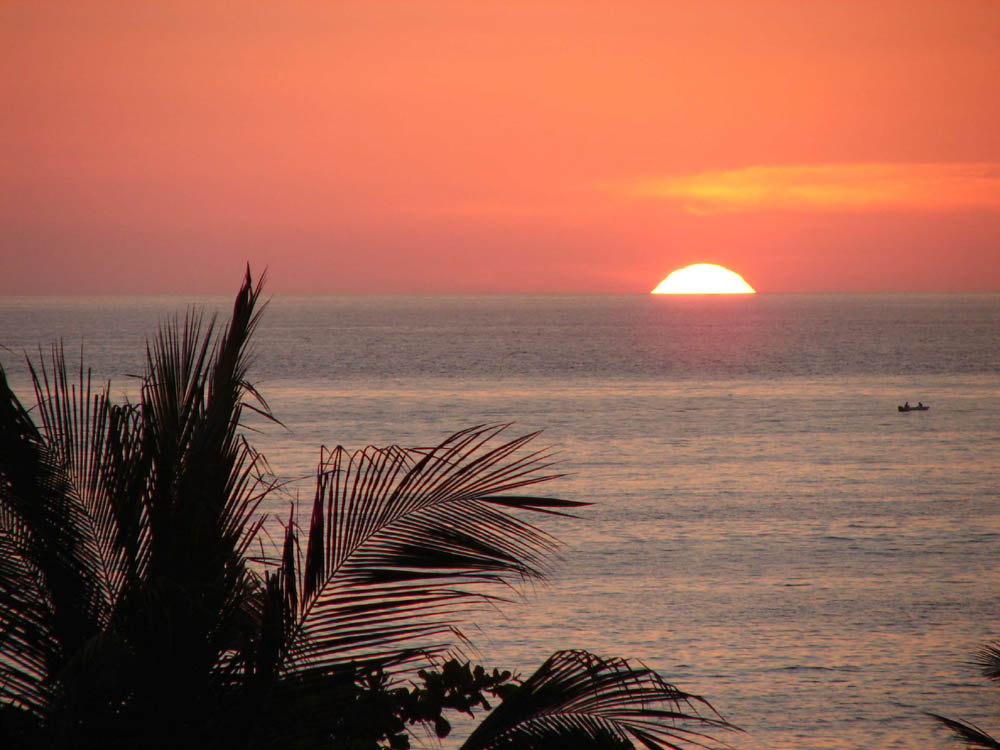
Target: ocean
x=767, y=530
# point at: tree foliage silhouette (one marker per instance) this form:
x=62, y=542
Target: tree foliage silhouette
x=141, y=603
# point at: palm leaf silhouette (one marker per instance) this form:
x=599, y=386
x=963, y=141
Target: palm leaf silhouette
x=402, y=542
x=595, y=702
x=970, y=734
x=987, y=659
x=33, y=515
x=123, y=529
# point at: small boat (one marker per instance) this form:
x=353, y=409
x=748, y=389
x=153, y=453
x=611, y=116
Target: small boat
x=918, y=407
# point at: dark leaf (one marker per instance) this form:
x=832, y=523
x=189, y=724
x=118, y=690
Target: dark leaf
x=578, y=699
x=970, y=734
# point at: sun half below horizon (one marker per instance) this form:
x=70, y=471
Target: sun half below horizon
x=704, y=278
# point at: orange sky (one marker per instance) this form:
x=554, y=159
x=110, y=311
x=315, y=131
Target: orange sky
x=512, y=146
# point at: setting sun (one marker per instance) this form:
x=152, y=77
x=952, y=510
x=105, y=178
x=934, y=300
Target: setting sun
x=703, y=278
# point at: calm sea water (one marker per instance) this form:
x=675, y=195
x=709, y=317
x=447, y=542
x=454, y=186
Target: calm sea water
x=768, y=531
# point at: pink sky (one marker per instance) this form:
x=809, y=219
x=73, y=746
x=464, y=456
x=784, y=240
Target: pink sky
x=498, y=147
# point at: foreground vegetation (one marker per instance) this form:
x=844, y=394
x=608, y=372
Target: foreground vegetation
x=143, y=603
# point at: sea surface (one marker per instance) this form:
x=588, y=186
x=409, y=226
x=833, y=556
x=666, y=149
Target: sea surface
x=767, y=530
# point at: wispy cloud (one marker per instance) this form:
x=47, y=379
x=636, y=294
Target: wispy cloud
x=831, y=187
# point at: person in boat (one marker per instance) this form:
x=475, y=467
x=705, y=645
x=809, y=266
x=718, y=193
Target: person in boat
x=920, y=404
x=906, y=405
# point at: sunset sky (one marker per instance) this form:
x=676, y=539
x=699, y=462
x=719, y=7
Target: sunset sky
x=498, y=146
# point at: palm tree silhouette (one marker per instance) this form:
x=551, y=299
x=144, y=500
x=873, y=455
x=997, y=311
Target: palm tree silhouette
x=141, y=603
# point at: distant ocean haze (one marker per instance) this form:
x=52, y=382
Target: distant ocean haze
x=768, y=531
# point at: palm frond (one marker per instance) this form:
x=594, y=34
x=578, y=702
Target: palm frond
x=579, y=699
x=973, y=737
x=203, y=473
x=987, y=659
x=200, y=484
x=402, y=542
x=27, y=646
x=78, y=425
x=46, y=577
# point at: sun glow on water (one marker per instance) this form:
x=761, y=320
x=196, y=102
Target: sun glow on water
x=703, y=278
